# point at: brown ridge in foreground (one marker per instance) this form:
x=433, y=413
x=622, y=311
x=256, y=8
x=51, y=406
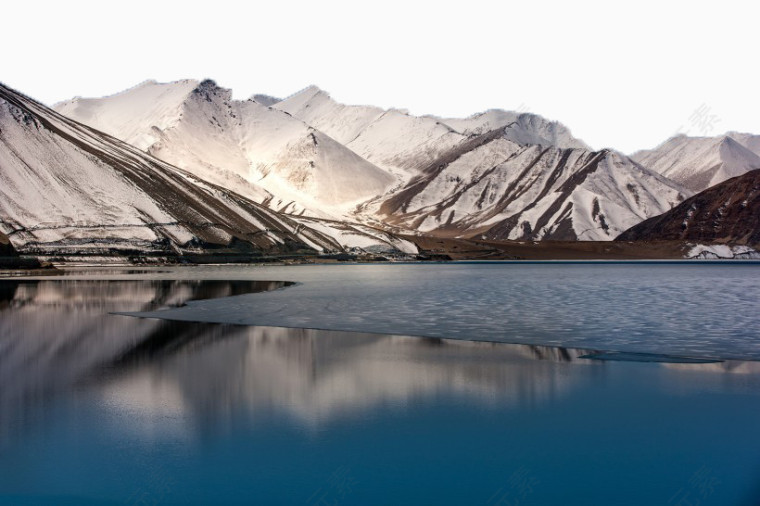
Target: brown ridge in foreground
x=727, y=213
x=470, y=249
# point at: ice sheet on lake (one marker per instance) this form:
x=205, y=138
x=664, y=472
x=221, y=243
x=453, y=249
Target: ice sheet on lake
x=684, y=310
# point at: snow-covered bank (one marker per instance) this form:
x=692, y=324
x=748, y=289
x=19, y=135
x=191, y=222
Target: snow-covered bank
x=723, y=251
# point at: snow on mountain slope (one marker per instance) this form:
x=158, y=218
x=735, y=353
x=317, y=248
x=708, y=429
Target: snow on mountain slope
x=265, y=100
x=341, y=122
x=356, y=236
x=392, y=139
x=701, y=162
x=524, y=128
x=137, y=116
x=499, y=189
x=69, y=188
x=258, y=151
x=749, y=141
x=405, y=144
x=500, y=174
x=140, y=115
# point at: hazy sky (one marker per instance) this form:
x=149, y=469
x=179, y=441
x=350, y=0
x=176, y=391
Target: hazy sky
x=623, y=75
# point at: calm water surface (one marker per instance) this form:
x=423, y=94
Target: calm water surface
x=100, y=408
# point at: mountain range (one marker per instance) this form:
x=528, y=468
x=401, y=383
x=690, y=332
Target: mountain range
x=67, y=188
x=183, y=167
x=701, y=162
x=499, y=174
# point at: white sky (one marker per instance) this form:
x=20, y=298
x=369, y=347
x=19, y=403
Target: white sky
x=626, y=76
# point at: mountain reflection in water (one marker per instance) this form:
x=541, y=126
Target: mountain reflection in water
x=228, y=413
x=56, y=334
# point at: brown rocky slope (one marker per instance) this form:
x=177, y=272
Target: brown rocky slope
x=727, y=213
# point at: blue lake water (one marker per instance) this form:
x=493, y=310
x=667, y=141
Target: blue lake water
x=101, y=408
x=694, y=310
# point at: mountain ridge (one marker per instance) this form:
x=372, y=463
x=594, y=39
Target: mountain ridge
x=726, y=213
x=68, y=188
x=256, y=150
x=495, y=175
x=701, y=162
x=497, y=189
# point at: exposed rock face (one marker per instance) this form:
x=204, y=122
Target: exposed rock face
x=726, y=213
x=491, y=187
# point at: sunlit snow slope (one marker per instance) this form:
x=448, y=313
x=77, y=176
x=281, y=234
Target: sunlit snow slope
x=405, y=144
x=258, y=151
x=701, y=162
x=65, y=187
x=498, y=174
x=498, y=189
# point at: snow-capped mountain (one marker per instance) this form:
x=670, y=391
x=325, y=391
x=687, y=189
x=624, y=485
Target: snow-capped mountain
x=266, y=100
x=701, y=162
x=391, y=139
x=498, y=174
x=495, y=188
x=522, y=128
x=725, y=213
x=65, y=187
x=405, y=144
x=258, y=151
x=749, y=141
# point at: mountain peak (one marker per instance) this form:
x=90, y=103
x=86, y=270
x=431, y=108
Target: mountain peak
x=206, y=84
x=524, y=128
x=66, y=179
x=699, y=162
x=314, y=89
x=732, y=151
x=728, y=140
x=149, y=84
x=306, y=94
x=265, y=100
x=136, y=114
x=209, y=90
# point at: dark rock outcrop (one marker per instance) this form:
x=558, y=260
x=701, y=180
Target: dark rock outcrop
x=728, y=212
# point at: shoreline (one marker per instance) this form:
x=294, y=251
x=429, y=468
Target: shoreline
x=430, y=250
x=69, y=269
